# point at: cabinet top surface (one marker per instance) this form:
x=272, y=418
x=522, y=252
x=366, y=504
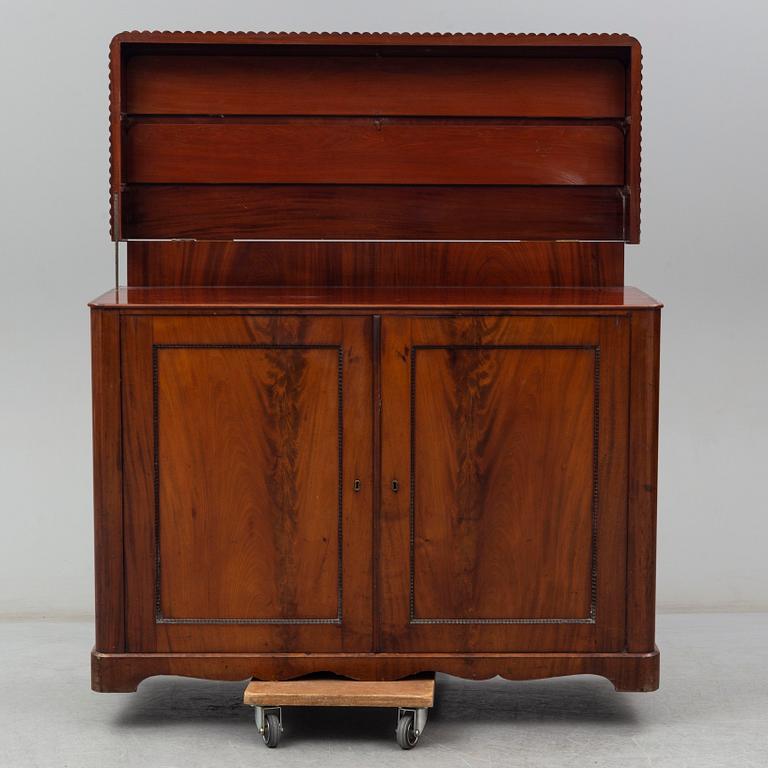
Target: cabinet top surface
x=330, y=297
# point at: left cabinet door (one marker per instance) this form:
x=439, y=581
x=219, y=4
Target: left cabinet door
x=244, y=527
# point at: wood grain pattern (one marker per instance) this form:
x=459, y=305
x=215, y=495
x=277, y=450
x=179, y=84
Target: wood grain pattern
x=643, y=470
x=341, y=693
x=371, y=84
x=425, y=324
x=503, y=444
x=384, y=93
x=510, y=299
x=634, y=142
x=483, y=487
x=349, y=212
x=371, y=151
x=241, y=496
x=226, y=263
x=627, y=671
x=236, y=518
x=107, y=481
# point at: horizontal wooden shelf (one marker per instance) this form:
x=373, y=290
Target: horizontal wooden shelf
x=372, y=212
x=372, y=150
x=194, y=83
x=341, y=693
x=330, y=297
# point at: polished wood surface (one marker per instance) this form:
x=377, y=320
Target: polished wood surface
x=473, y=469
x=643, y=462
x=227, y=263
x=237, y=537
x=372, y=212
x=341, y=693
x=238, y=499
x=626, y=671
x=485, y=418
x=375, y=137
x=420, y=434
x=508, y=437
x=401, y=85
x=107, y=481
x=386, y=297
x=370, y=151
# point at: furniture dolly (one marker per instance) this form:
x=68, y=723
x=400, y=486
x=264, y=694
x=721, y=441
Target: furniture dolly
x=412, y=698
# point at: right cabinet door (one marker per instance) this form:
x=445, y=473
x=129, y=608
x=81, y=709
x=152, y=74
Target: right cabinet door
x=502, y=525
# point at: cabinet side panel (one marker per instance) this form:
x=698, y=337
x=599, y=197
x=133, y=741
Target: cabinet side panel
x=139, y=495
x=634, y=143
x=643, y=461
x=107, y=480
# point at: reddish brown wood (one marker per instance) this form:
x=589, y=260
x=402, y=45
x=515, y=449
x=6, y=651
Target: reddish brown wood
x=515, y=383
x=372, y=151
x=373, y=78
x=238, y=427
x=508, y=439
x=226, y=263
x=116, y=102
x=607, y=633
x=107, y=481
x=348, y=212
x=633, y=143
x=447, y=85
x=324, y=298
x=261, y=547
x=627, y=672
x=643, y=468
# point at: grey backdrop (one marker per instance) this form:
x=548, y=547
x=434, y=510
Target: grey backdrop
x=703, y=253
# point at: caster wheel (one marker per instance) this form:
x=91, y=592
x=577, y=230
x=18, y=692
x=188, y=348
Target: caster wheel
x=272, y=730
x=406, y=732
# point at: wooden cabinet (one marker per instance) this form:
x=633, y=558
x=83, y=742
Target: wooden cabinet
x=388, y=493
x=347, y=453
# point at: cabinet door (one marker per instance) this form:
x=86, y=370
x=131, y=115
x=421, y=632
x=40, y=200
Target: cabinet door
x=243, y=439
x=504, y=459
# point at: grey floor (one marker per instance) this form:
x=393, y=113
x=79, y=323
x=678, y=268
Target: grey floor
x=711, y=711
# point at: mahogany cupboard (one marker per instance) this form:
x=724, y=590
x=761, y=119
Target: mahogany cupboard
x=375, y=400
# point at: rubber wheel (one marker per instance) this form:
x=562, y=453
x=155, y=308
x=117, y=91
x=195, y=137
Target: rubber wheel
x=406, y=733
x=272, y=730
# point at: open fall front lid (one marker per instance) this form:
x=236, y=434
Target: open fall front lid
x=220, y=136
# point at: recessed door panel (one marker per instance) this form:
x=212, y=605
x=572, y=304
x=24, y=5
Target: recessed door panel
x=508, y=439
x=242, y=499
